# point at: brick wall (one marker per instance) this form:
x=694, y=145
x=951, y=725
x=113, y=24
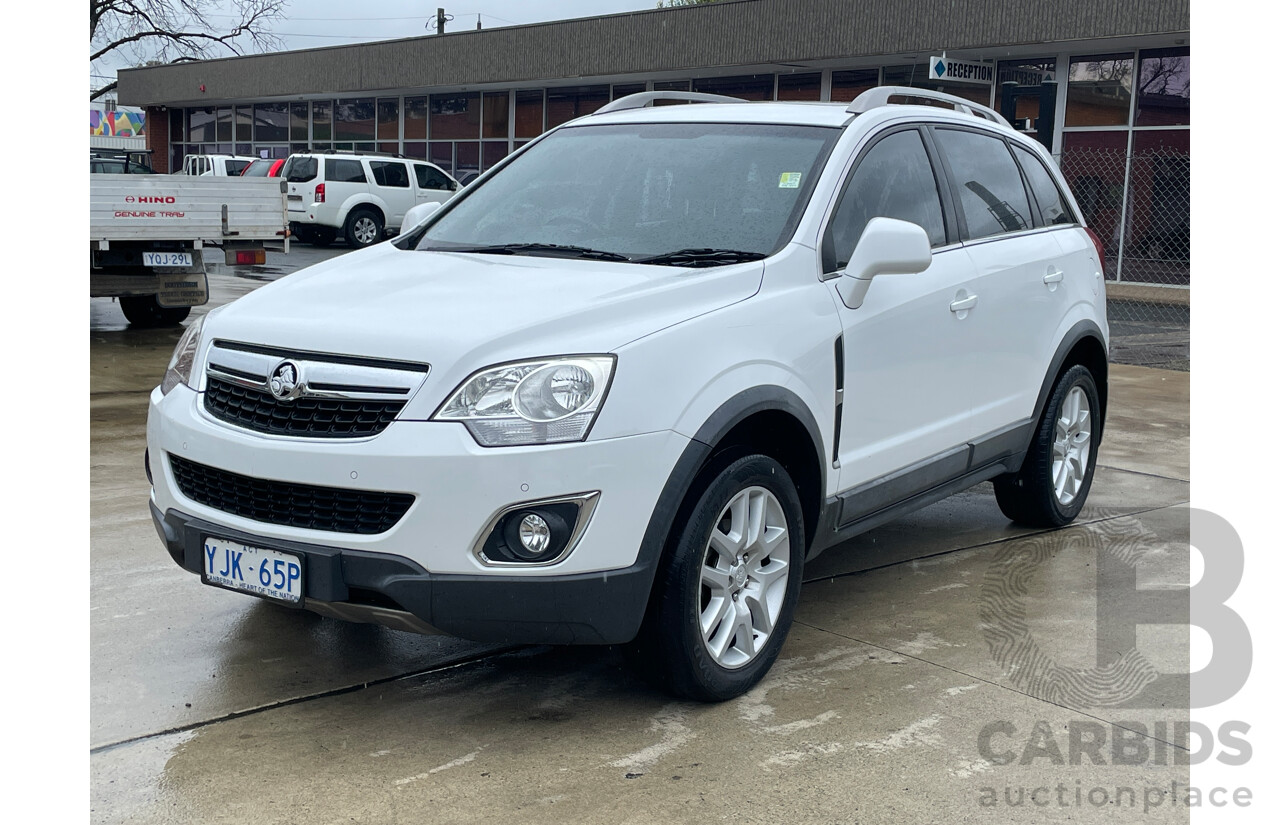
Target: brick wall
x=158, y=138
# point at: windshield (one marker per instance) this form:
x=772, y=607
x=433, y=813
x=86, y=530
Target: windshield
x=258, y=169
x=644, y=191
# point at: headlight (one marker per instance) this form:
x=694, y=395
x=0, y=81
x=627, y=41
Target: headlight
x=184, y=357
x=531, y=402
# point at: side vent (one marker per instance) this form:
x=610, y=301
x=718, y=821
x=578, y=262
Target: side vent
x=835, y=448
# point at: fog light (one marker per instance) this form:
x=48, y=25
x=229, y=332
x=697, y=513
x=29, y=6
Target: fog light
x=534, y=533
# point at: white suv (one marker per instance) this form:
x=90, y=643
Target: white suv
x=623, y=387
x=360, y=196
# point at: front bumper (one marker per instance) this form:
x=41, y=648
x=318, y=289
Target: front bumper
x=590, y=608
x=423, y=572
x=457, y=485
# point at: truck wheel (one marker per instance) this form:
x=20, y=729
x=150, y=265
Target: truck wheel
x=724, y=598
x=144, y=312
x=364, y=228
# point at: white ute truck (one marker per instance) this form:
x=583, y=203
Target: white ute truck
x=148, y=235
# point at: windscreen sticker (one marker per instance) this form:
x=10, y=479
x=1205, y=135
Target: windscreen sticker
x=789, y=180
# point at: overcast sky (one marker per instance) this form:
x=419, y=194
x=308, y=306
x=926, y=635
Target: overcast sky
x=312, y=23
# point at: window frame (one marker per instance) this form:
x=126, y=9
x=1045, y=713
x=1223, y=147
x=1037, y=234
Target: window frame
x=951, y=228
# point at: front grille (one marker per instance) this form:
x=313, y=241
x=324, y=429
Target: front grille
x=332, y=509
x=313, y=417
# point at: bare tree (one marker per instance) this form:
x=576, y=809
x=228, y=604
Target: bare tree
x=170, y=31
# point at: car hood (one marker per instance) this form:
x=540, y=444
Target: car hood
x=460, y=312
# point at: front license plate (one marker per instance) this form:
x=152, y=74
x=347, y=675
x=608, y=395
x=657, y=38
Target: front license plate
x=255, y=570
x=163, y=259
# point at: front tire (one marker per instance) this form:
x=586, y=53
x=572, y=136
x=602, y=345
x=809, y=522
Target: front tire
x=364, y=228
x=724, y=598
x=144, y=312
x=1057, y=473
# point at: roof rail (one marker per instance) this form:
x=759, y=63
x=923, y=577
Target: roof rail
x=879, y=96
x=641, y=99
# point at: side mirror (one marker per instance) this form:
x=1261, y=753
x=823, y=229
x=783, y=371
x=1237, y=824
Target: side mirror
x=416, y=216
x=453, y=186
x=887, y=247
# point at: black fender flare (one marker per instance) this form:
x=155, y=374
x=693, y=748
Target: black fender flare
x=701, y=448
x=1078, y=332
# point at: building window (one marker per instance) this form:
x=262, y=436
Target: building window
x=624, y=89
x=529, y=114
x=1024, y=73
x=1164, y=87
x=177, y=125
x=389, y=119
x=415, y=118
x=441, y=154
x=244, y=124
x=201, y=126
x=495, y=118
x=1099, y=89
x=747, y=87
x=322, y=120
x=563, y=105
x=492, y=151
x=455, y=116
x=225, y=125
x=270, y=122
x=800, y=86
x=354, y=120
x=847, y=85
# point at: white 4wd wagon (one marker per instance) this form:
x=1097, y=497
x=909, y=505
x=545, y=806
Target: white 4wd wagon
x=359, y=197
x=622, y=388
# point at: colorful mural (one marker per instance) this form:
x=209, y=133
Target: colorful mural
x=116, y=124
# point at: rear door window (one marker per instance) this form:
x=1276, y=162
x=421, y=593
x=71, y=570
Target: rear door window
x=992, y=198
x=343, y=170
x=235, y=167
x=390, y=173
x=1048, y=197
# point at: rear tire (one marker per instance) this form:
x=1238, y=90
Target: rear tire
x=724, y=595
x=1051, y=487
x=144, y=312
x=364, y=228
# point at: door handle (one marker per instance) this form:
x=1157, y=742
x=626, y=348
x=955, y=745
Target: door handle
x=962, y=304
x=1054, y=276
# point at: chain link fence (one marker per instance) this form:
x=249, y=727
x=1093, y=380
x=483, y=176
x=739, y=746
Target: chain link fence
x=1140, y=207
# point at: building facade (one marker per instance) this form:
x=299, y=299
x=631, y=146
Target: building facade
x=1119, y=103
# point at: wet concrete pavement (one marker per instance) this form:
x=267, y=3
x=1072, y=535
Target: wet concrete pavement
x=211, y=707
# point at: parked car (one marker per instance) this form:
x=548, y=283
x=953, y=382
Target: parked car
x=359, y=196
x=264, y=168
x=220, y=165
x=624, y=388
x=123, y=162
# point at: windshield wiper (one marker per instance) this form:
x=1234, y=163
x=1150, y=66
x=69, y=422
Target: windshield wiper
x=701, y=257
x=553, y=249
